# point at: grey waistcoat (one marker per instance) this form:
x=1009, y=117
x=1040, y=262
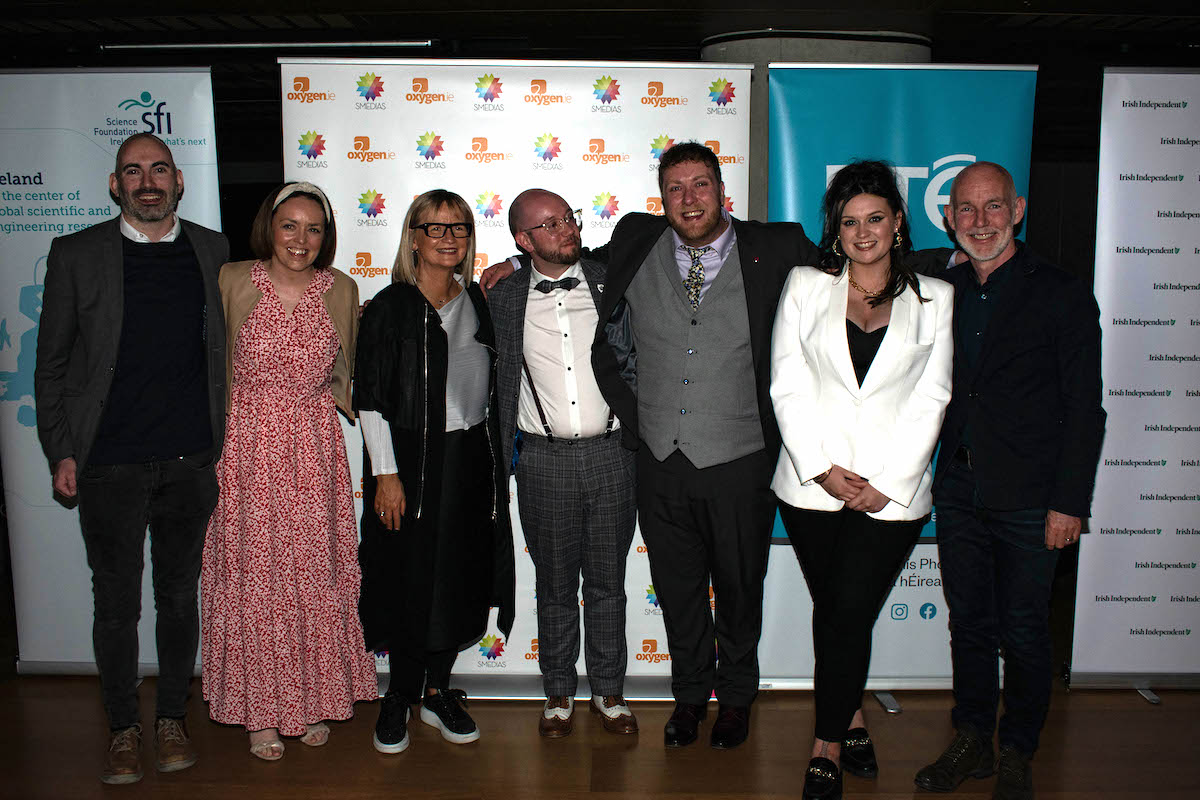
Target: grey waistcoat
x=695, y=380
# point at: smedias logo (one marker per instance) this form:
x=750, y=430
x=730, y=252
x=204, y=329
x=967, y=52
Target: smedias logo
x=650, y=652
x=715, y=146
x=362, y=266
x=547, y=147
x=420, y=93
x=369, y=86
x=370, y=203
x=651, y=596
x=488, y=205
x=655, y=96
x=479, y=152
x=430, y=145
x=606, y=89
x=539, y=96
x=301, y=92
x=488, y=87
x=604, y=205
x=720, y=91
x=597, y=155
x=654, y=205
x=362, y=151
x=312, y=144
x=660, y=144
x=491, y=647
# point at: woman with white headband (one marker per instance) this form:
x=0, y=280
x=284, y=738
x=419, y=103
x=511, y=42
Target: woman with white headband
x=281, y=640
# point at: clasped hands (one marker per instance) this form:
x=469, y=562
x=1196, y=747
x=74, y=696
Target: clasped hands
x=854, y=490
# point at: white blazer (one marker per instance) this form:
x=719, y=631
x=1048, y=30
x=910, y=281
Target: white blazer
x=885, y=430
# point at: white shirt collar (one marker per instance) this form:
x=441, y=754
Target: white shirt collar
x=573, y=271
x=133, y=234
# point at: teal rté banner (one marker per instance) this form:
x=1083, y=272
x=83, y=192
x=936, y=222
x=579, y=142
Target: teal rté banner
x=929, y=121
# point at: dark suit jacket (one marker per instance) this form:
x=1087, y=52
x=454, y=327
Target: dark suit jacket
x=507, y=301
x=767, y=251
x=80, y=333
x=1033, y=400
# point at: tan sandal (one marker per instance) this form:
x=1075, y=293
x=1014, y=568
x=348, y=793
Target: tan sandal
x=316, y=735
x=268, y=749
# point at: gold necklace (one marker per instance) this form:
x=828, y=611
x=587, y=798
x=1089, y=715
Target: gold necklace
x=855, y=284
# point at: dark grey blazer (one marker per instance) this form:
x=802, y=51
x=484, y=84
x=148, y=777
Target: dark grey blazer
x=80, y=332
x=506, y=302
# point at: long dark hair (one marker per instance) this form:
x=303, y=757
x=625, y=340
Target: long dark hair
x=867, y=177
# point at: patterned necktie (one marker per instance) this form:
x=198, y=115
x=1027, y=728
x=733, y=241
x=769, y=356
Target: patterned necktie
x=694, y=281
x=566, y=283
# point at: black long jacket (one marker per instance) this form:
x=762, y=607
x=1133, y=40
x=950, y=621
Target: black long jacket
x=400, y=372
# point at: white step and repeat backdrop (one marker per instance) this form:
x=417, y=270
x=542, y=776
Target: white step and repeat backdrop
x=1137, y=613
x=60, y=135
x=374, y=134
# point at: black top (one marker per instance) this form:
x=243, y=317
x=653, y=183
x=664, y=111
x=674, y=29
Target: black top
x=974, y=312
x=863, y=347
x=157, y=406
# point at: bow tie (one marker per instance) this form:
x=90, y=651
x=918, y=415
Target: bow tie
x=565, y=283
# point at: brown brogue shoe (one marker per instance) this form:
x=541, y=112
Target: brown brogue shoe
x=555, y=719
x=614, y=714
x=173, y=746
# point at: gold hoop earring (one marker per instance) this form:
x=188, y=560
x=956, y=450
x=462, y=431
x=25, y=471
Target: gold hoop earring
x=837, y=252
x=899, y=239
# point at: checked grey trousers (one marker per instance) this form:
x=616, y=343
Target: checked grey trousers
x=578, y=510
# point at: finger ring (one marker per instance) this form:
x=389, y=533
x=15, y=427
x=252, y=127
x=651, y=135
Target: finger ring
x=382, y=514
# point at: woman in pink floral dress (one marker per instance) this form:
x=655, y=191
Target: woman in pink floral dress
x=281, y=639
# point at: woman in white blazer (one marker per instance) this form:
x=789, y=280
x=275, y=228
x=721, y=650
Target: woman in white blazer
x=860, y=380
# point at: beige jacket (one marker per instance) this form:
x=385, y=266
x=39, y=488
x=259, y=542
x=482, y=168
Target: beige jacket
x=239, y=296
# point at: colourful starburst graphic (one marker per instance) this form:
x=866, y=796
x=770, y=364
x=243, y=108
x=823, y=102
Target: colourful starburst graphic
x=488, y=87
x=488, y=204
x=605, y=205
x=370, y=203
x=729, y=204
x=492, y=647
x=651, y=596
x=720, y=92
x=370, y=86
x=606, y=89
x=312, y=144
x=547, y=147
x=660, y=145
x=430, y=145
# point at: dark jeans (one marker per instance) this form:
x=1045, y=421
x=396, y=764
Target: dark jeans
x=409, y=674
x=116, y=503
x=850, y=561
x=996, y=573
x=701, y=525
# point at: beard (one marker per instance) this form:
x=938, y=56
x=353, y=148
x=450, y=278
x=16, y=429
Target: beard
x=559, y=255
x=986, y=251
x=136, y=211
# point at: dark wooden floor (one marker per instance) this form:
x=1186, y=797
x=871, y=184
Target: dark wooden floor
x=1099, y=745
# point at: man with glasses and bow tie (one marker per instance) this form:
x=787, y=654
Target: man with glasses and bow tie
x=574, y=478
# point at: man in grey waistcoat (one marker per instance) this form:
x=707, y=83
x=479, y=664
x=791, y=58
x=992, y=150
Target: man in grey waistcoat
x=682, y=355
x=574, y=477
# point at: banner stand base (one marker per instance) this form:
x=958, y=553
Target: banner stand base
x=1150, y=697
x=1135, y=680
x=889, y=702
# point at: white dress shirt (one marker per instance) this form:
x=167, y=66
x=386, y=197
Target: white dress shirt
x=133, y=234
x=559, y=328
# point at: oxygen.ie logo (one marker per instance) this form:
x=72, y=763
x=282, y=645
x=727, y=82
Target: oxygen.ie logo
x=650, y=652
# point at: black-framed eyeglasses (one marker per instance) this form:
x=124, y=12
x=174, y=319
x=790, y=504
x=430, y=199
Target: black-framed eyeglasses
x=436, y=230
x=556, y=226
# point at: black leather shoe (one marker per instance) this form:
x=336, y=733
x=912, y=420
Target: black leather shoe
x=858, y=754
x=684, y=725
x=1014, y=777
x=732, y=727
x=822, y=781
x=968, y=756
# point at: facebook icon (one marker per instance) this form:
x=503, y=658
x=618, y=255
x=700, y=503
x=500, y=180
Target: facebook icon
x=928, y=611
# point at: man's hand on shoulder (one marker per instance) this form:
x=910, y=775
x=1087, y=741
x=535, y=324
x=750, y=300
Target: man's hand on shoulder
x=494, y=274
x=64, y=477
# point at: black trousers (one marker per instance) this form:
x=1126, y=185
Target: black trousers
x=850, y=562
x=701, y=525
x=116, y=504
x=412, y=673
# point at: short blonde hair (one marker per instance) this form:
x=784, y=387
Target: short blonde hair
x=404, y=268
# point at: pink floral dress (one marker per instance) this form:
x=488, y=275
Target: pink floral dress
x=282, y=644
